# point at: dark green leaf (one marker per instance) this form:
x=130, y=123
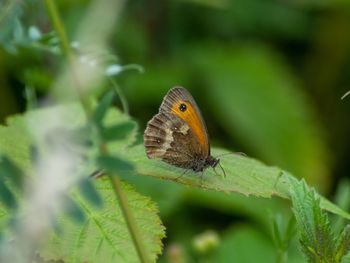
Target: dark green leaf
x=88, y=191
x=8, y=199
x=118, y=131
x=343, y=244
x=10, y=170
x=114, y=164
x=102, y=108
x=316, y=236
x=49, y=39
x=74, y=210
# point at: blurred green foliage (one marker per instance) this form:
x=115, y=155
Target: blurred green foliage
x=267, y=74
x=91, y=226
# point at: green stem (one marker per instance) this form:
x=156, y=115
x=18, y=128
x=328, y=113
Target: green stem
x=141, y=251
x=121, y=96
x=133, y=67
x=64, y=42
x=114, y=179
x=56, y=21
x=281, y=256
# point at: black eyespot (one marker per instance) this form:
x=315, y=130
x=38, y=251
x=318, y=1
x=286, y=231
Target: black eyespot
x=183, y=107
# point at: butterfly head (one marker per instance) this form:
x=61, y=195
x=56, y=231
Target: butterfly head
x=213, y=162
x=201, y=164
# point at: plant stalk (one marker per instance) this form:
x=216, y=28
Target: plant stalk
x=65, y=47
x=114, y=179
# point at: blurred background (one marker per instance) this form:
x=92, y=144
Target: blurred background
x=268, y=76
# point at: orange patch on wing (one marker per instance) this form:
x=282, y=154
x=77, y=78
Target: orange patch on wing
x=192, y=118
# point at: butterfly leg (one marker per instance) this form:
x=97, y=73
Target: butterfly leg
x=177, y=178
x=216, y=173
x=201, y=183
x=222, y=169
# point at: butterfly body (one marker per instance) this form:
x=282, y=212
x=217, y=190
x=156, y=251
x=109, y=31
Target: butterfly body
x=178, y=135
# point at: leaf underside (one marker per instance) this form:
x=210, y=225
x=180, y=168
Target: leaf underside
x=244, y=175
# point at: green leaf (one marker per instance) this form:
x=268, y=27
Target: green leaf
x=245, y=175
x=10, y=170
x=103, y=236
x=114, y=164
x=316, y=236
x=283, y=231
x=343, y=244
x=102, y=107
x=118, y=131
x=15, y=141
x=6, y=196
x=88, y=190
x=73, y=210
x=342, y=199
x=16, y=138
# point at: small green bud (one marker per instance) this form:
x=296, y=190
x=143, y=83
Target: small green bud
x=206, y=241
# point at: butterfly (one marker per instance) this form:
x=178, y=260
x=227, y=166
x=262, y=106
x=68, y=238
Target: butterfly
x=178, y=135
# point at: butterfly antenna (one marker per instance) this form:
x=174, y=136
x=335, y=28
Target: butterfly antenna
x=223, y=170
x=201, y=185
x=236, y=153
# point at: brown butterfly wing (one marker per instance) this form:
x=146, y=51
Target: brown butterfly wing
x=170, y=138
x=192, y=116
